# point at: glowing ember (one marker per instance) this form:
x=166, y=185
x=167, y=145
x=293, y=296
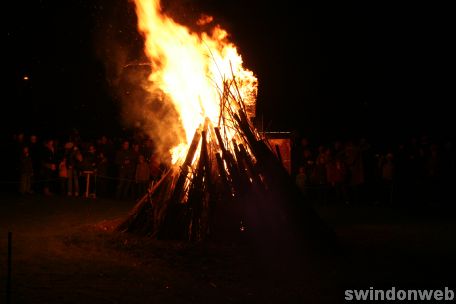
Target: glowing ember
x=191, y=69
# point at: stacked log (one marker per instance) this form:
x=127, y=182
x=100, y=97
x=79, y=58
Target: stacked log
x=227, y=186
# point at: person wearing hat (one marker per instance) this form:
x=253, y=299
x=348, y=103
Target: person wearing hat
x=72, y=161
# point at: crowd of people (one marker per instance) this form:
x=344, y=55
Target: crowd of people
x=75, y=167
x=353, y=171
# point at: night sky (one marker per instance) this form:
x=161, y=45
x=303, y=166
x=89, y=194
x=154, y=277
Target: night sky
x=376, y=70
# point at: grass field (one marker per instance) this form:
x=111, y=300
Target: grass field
x=65, y=251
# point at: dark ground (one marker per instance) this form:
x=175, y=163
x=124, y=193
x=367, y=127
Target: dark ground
x=65, y=252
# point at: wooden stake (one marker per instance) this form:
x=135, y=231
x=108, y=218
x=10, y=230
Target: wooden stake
x=142, y=202
x=179, y=188
x=229, y=160
x=9, y=268
x=249, y=165
x=221, y=169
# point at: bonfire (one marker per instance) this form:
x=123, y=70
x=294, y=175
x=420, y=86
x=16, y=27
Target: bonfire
x=225, y=179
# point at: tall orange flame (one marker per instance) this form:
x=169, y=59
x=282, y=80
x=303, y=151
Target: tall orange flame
x=191, y=68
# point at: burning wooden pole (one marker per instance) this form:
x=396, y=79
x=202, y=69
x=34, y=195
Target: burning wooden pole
x=221, y=170
x=174, y=223
x=134, y=222
x=196, y=194
x=254, y=175
x=179, y=188
x=230, y=163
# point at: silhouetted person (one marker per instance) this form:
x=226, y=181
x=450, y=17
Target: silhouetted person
x=369, y=164
x=102, y=174
x=49, y=166
x=73, y=162
x=26, y=172
x=337, y=179
x=142, y=176
x=448, y=172
x=433, y=174
x=126, y=169
x=63, y=176
x=35, y=151
x=16, y=156
x=321, y=181
x=301, y=180
x=88, y=170
x=387, y=170
x=353, y=159
x=400, y=178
